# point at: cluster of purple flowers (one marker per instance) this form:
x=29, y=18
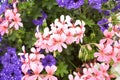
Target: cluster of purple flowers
x=103, y=23
x=96, y=4
x=70, y=4
x=74, y=4
x=49, y=60
x=3, y=5
x=11, y=65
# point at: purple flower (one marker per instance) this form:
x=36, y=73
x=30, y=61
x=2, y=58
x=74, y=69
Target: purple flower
x=103, y=24
x=70, y=4
x=0, y=38
x=106, y=12
x=116, y=8
x=117, y=1
x=3, y=6
x=11, y=69
x=104, y=1
x=40, y=20
x=49, y=60
x=96, y=4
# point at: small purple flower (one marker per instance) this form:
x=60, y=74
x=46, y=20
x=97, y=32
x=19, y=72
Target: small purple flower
x=117, y=1
x=40, y=20
x=116, y=8
x=96, y=4
x=0, y=38
x=3, y=5
x=103, y=24
x=104, y=1
x=106, y=12
x=49, y=60
x=70, y=4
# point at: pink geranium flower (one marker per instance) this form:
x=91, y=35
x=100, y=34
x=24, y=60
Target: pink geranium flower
x=58, y=42
x=16, y=21
x=50, y=71
x=4, y=27
x=103, y=53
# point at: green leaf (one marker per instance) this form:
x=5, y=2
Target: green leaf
x=61, y=69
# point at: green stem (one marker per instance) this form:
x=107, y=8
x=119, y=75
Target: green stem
x=71, y=63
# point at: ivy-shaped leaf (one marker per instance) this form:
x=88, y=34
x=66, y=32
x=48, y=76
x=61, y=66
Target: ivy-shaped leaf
x=61, y=69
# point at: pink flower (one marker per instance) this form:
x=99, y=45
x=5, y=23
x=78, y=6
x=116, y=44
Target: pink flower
x=4, y=27
x=36, y=67
x=80, y=29
x=116, y=29
x=58, y=42
x=16, y=21
x=76, y=76
x=70, y=35
x=103, y=68
x=9, y=14
x=108, y=34
x=70, y=77
x=102, y=55
x=50, y=71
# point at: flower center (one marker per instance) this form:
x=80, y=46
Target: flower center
x=76, y=1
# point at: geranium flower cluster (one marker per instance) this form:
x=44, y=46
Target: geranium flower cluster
x=109, y=46
x=11, y=65
x=92, y=72
x=63, y=31
x=37, y=66
x=108, y=55
x=10, y=19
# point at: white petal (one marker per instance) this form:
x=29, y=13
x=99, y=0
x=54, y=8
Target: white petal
x=78, y=22
x=23, y=48
x=33, y=49
x=62, y=18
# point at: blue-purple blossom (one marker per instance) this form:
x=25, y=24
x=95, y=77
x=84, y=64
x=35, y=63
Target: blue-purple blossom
x=104, y=1
x=3, y=5
x=117, y=1
x=70, y=4
x=11, y=69
x=96, y=4
x=0, y=38
x=40, y=20
x=103, y=24
x=106, y=12
x=116, y=8
x=49, y=60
